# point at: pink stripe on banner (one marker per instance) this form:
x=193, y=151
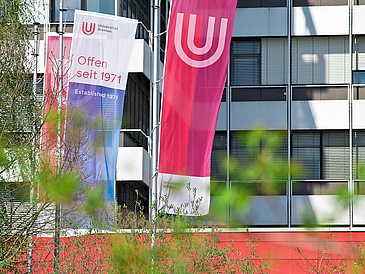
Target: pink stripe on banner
x=197, y=56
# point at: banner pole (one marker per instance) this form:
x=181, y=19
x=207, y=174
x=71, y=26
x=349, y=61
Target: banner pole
x=150, y=44
x=155, y=115
x=32, y=198
x=59, y=140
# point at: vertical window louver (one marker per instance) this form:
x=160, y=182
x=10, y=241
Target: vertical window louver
x=359, y=154
x=336, y=157
x=246, y=63
x=246, y=155
x=322, y=154
x=219, y=155
x=136, y=108
x=320, y=60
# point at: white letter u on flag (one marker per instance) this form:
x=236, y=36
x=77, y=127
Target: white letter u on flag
x=208, y=44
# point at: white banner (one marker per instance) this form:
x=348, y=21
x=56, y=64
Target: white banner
x=101, y=51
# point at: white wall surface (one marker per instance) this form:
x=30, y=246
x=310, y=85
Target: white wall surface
x=320, y=114
x=140, y=61
x=133, y=164
x=246, y=114
x=260, y=22
x=358, y=107
x=320, y=20
x=358, y=19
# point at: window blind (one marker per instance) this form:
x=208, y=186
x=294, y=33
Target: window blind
x=245, y=62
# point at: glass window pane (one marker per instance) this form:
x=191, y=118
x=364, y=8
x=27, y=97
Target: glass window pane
x=67, y=4
x=246, y=62
x=359, y=77
x=102, y=6
x=219, y=155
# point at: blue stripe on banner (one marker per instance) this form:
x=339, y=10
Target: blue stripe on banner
x=104, y=106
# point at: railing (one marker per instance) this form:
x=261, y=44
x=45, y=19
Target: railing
x=134, y=138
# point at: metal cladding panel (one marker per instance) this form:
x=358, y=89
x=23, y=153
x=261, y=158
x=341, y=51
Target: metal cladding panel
x=320, y=20
x=262, y=210
x=222, y=117
x=260, y=22
x=320, y=114
x=247, y=114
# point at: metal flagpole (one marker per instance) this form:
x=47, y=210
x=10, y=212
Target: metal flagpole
x=150, y=44
x=59, y=140
x=35, y=55
x=155, y=113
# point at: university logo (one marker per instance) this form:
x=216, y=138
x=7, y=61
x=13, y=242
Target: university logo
x=90, y=30
x=208, y=44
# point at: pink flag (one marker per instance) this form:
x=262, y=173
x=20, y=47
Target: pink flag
x=50, y=98
x=197, y=54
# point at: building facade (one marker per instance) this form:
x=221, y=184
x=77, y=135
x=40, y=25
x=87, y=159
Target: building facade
x=298, y=68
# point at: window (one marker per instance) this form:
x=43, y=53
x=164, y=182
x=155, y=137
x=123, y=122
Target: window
x=319, y=93
x=67, y=4
x=101, y=6
x=261, y=61
x=359, y=93
x=136, y=108
x=127, y=197
x=260, y=3
x=224, y=95
x=14, y=192
x=137, y=10
x=358, y=53
x=245, y=62
x=322, y=154
x=258, y=94
x=320, y=60
x=305, y=3
x=359, y=153
x=219, y=155
x=318, y=188
x=246, y=155
x=274, y=56
x=359, y=77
